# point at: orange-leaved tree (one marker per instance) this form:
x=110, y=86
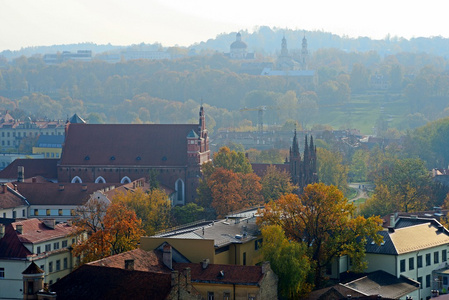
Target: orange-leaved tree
x=323, y=220
x=152, y=207
x=119, y=230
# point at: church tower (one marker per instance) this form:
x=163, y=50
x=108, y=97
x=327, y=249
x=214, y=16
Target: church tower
x=304, y=53
x=284, y=50
x=295, y=161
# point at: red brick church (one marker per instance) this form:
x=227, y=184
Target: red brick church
x=104, y=153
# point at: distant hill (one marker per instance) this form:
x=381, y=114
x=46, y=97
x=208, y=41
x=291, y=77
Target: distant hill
x=267, y=41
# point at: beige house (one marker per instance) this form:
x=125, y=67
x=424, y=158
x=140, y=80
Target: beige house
x=235, y=241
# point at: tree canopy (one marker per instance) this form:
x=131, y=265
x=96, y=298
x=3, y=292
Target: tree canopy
x=323, y=221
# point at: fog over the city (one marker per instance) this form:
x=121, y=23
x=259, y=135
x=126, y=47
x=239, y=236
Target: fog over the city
x=174, y=22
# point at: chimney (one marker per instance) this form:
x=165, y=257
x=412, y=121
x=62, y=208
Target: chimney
x=50, y=223
x=129, y=264
x=392, y=221
x=167, y=256
x=175, y=282
x=84, y=187
x=266, y=267
x=33, y=179
x=61, y=187
x=20, y=174
x=5, y=188
x=205, y=263
x=2, y=231
x=188, y=278
x=19, y=228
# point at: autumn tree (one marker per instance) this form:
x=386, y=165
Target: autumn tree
x=323, y=221
x=289, y=261
x=276, y=183
x=152, y=207
x=232, y=191
x=119, y=230
x=405, y=185
x=331, y=170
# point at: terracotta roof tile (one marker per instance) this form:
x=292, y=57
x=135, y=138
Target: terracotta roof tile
x=9, y=198
x=51, y=193
x=45, y=167
x=149, y=261
x=233, y=274
x=126, y=144
x=10, y=245
x=34, y=231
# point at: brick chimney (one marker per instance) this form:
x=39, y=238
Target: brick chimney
x=4, y=188
x=129, y=264
x=167, y=256
x=188, y=277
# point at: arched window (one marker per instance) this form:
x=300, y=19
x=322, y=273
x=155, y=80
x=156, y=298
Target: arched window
x=125, y=180
x=76, y=179
x=100, y=179
x=179, y=188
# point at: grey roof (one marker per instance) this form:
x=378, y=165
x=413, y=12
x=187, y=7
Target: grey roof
x=223, y=232
x=76, y=119
x=387, y=246
x=385, y=284
x=192, y=134
x=50, y=141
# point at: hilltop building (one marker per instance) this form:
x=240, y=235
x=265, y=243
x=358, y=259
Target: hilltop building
x=239, y=49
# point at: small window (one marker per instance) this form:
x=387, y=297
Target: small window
x=443, y=256
x=2, y=272
x=402, y=265
x=23, y=213
x=50, y=267
x=420, y=282
x=58, y=265
x=411, y=263
x=419, y=261
x=257, y=244
x=210, y=296
x=436, y=257
x=36, y=212
x=47, y=247
x=244, y=258
x=60, y=212
x=42, y=267
x=14, y=214
x=65, y=263
x=226, y=296
x=47, y=212
x=56, y=245
x=38, y=249
x=427, y=281
x=428, y=259
x=64, y=244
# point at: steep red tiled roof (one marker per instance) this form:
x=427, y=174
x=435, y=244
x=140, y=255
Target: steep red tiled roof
x=233, y=274
x=10, y=199
x=45, y=167
x=11, y=246
x=34, y=231
x=143, y=261
x=261, y=169
x=126, y=144
x=95, y=282
x=51, y=193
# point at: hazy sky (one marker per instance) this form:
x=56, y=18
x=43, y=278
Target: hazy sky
x=26, y=23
